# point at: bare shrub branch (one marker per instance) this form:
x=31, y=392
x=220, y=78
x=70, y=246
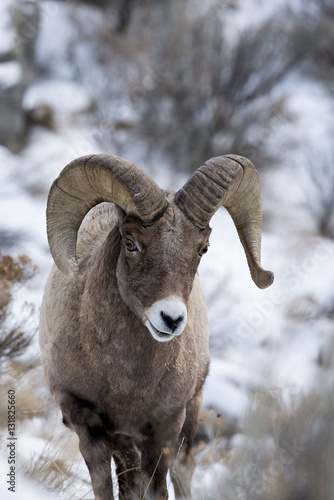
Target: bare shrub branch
x=318, y=191
x=209, y=84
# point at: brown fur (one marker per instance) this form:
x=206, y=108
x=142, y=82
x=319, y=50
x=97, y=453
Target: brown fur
x=125, y=394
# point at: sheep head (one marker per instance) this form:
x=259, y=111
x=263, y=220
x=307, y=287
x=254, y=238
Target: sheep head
x=167, y=232
x=156, y=268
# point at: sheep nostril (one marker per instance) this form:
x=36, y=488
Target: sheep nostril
x=170, y=322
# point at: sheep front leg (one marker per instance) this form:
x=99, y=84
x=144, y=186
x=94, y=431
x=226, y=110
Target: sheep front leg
x=128, y=470
x=90, y=424
x=185, y=463
x=94, y=446
x=154, y=463
x=158, y=451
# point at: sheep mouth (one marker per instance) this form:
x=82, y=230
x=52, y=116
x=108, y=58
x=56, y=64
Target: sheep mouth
x=157, y=334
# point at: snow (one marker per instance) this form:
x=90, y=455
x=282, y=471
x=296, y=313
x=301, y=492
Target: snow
x=61, y=95
x=10, y=74
x=24, y=489
x=312, y=124
x=205, y=480
x=222, y=387
x=7, y=33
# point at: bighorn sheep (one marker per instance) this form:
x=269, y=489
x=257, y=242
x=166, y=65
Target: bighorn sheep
x=124, y=329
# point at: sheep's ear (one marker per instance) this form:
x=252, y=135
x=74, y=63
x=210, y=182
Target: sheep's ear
x=88, y=181
x=233, y=182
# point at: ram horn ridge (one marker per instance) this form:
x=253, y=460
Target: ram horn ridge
x=233, y=182
x=86, y=182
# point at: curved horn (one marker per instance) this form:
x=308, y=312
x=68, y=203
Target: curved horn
x=88, y=181
x=230, y=181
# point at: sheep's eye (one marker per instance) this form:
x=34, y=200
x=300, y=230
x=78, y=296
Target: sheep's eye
x=204, y=250
x=131, y=246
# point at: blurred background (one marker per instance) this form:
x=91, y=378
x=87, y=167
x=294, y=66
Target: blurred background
x=169, y=85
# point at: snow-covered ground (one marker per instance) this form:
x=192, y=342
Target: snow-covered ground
x=270, y=338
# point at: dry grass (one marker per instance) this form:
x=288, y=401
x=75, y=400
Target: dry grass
x=58, y=469
x=14, y=338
